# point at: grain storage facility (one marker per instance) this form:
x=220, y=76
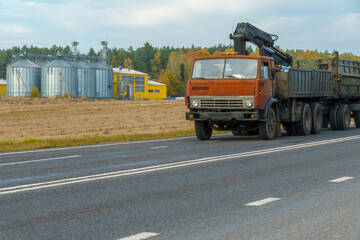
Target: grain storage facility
x=2, y=88
x=57, y=78
x=21, y=77
x=140, y=85
x=86, y=79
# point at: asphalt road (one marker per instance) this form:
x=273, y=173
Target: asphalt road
x=227, y=188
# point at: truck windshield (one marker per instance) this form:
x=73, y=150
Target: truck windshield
x=230, y=68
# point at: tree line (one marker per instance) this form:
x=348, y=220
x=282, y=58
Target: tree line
x=162, y=64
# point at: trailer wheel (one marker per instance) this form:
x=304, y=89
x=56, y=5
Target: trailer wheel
x=343, y=117
x=203, y=130
x=357, y=118
x=303, y=127
x=290, y=129
x=317, y=118
x=236, y=133
x=332, y=117
x=267, y=129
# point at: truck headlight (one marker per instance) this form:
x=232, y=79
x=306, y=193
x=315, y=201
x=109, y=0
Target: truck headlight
x=194, y=103
x=248, y=103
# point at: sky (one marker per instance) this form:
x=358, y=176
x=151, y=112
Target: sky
x=301, y=24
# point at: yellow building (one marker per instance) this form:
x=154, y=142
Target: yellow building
x=2, y=88
x=141, y=86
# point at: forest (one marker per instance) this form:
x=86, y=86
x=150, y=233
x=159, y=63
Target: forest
x=162, y=64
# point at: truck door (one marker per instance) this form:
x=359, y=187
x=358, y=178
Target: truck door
x=266, y=84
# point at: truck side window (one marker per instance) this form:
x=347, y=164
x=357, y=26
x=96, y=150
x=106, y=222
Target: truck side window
x=264, y=70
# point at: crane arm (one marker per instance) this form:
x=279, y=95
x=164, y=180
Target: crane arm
x=246, y=32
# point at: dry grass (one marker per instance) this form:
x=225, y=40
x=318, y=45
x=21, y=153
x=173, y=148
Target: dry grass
x=29, y=121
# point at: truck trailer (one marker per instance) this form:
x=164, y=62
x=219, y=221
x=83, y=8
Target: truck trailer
x=258, y=94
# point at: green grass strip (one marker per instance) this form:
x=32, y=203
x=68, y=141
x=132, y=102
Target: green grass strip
x=31, y=143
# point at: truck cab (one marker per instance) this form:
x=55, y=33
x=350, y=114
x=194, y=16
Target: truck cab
x=230, y=92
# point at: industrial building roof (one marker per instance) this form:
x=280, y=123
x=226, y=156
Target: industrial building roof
x=150, y=82
x=128, y=71
x=2, y=82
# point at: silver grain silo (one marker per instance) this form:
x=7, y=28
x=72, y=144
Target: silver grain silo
x=104, y=80
x=21, y=77
x=57, y=78
x=86, y=79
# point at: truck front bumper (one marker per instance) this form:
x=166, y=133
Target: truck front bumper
x=225, y=116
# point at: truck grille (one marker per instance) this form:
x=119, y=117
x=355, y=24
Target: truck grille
x=211, y=103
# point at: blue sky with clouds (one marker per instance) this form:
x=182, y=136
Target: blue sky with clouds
x=300, y=24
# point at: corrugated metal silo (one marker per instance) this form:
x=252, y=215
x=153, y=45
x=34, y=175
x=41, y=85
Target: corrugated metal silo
x=57, y=77
x=21, y=77
x=104, y=80
x=86, y=79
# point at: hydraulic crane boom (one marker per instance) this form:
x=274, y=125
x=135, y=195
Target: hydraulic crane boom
x=246, y=32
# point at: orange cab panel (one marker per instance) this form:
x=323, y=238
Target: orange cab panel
x=222, y=87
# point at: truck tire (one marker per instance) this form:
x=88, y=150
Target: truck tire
x=267, y=129
x=303, y=127
x=290, y=129
x=203, y=130
x=317, y=117
x=343, y=117
x=357, y=118
x=333, y=118
x=236, y=133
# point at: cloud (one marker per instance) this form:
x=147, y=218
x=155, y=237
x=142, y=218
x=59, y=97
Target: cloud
x=14, y=29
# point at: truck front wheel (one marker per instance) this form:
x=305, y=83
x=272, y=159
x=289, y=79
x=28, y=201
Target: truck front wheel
x=267, y=129
x=203, y=130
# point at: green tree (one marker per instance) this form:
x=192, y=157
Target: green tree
x=92, y=52
x=142, y=58
x=156, y=65
x=113, y=61
x=121, y=56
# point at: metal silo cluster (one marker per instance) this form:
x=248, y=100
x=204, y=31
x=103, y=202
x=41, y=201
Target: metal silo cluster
x=70, y=76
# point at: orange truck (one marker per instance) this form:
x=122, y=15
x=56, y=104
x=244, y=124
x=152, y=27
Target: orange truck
x=251, y=95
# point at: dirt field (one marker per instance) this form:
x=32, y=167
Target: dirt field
x=53, y=118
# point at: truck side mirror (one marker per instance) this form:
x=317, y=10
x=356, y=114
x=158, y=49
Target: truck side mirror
x=182, y=71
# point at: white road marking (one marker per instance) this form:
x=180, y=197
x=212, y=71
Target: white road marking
x=159, y=147
x=140, y=236
x=90, y=178
x=342, y=179
x=263, y=202
x=39, y=160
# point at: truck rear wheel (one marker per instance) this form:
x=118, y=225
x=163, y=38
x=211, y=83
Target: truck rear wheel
x=357, y=118
x=343, y=117
x=333, y=118
x=267, y=129
x=303, y=127
x=203, y=130
x=317, y=117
